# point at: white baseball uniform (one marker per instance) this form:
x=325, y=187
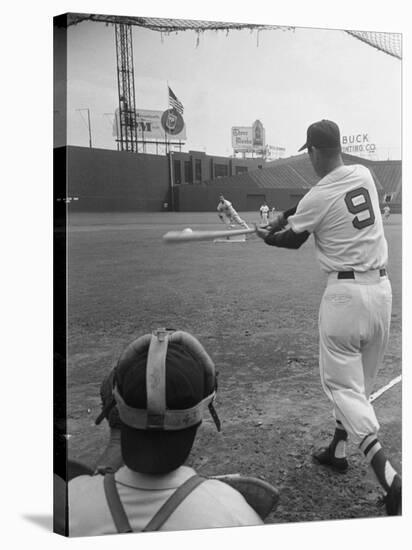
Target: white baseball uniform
x=229, y=214
x=386, y=212
x=342, y=211
x=264, y=213
x=212, y=504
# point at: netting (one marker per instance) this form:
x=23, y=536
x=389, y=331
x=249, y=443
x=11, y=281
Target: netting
x=390, y=43
x=169, y=25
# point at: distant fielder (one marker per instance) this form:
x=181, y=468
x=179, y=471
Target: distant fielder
x=386, y=212
x=264, y=213
x=228, y=214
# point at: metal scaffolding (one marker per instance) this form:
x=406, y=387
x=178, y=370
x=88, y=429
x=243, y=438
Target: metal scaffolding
x=126, y=123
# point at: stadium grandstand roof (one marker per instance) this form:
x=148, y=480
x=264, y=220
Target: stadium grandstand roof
x=280, y=177
x=297, y=172
x=389, y=174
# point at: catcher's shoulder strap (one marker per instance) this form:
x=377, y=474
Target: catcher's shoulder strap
x=173, y=502
x=120, y=517
x=115, y=504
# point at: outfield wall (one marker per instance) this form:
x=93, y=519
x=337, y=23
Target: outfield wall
x=103, y=180
x=204, y=198
x=100, y=180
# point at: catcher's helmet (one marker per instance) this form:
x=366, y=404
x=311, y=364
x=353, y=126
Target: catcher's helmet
x=162, y=383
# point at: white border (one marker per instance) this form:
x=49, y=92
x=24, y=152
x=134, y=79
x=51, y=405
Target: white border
x=27, y=270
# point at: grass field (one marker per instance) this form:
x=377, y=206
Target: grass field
x=254, y=308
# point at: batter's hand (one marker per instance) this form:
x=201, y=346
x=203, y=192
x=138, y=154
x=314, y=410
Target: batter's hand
x=262, y=232
x=277, y=224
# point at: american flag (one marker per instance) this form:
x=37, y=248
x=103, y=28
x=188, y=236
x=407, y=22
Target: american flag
x=174, y=102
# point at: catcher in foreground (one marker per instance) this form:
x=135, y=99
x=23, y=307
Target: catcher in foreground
x=154, y=401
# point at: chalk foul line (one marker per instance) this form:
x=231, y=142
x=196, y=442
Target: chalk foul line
x=382, y=390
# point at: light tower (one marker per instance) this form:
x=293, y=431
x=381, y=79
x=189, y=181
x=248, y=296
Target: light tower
x=126, y=123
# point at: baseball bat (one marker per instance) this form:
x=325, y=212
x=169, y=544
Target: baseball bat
x=184, y=236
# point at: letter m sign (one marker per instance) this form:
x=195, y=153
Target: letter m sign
x=145, y=126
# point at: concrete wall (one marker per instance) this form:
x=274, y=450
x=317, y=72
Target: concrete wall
x=104, y=180
x=196, y=167
x=204, y=198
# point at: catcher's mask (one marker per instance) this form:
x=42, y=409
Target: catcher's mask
x=163, y=381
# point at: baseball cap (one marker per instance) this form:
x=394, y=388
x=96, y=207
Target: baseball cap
x=156, y=444
x=324, y=134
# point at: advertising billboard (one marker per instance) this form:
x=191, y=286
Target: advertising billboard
x=248, y=138
x=356, y=144
x=150, y=127
x=242, y=138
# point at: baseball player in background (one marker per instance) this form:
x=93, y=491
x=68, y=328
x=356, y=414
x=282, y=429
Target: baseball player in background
x=264, y=213
x=386, y=212
x=228, y=214
x=342, y=212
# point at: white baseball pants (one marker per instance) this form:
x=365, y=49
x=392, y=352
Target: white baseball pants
x=354, y=322
x=235, y=219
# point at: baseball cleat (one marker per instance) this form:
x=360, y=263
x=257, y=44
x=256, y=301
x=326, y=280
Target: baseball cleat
x=393, y=498
x=325, y=458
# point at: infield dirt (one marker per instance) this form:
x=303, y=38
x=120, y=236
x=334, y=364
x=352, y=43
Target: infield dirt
x=254, y=308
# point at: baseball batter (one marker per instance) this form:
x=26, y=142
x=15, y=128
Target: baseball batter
x=342, y=212
x=264, y=213
x=228, y=214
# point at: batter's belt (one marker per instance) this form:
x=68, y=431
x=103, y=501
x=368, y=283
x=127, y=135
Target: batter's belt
x=373, y=275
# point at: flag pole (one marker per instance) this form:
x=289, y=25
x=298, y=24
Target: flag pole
x=166, y=141
x=171, y=167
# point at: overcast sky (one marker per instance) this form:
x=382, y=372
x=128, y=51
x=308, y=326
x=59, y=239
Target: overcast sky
x=287, y=79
